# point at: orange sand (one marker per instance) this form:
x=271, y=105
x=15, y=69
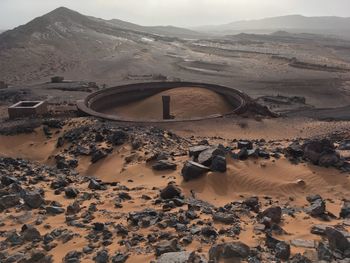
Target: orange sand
x=186, y=102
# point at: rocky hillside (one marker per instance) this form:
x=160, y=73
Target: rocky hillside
x=64, y=40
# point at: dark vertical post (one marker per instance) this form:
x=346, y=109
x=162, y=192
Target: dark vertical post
x=166, y=107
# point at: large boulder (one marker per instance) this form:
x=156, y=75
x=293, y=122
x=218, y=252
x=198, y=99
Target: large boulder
x=317, y=206
x=30, y=233
x=321, y=152
x=194, y=151
x=8, y=201
x=206, y=157
x=167, y=246
x=193, y=170
x=338, y=240
x=280, y=248
x=229, y=251
x=180, y=257
x=274, y=213
x=218, y=164
x=33, y=199
x=170, y=192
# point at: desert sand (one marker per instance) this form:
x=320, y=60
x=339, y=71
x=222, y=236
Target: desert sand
x=275, y=181
x=261, y=189
x=185, y=103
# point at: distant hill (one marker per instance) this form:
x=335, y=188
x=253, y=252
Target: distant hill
x=293, y=23
x=64, y=41
x=158, y=30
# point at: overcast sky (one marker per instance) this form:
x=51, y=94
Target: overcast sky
x=172, y=12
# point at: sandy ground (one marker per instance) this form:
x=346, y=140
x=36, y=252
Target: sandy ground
x=276, y=179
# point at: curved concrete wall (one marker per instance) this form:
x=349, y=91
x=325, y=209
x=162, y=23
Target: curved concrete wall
x=98, y=101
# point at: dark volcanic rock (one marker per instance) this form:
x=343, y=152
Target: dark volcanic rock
x=319, y=229
x=72, y=257
x=274, y=213
x=209, y=231
x=33, y=199
x=324, y=252
x=337, y=239
x=245, y=144
x=298, y=258
x=8, y=201
x=317, y=207
x=30, y=233
x=295, y=150
x=170, y=192
x=193, y=170
x=94, y=185
x=252, y=203
x=37, y=256
x=345, y=210
x=218, y=164
x=73, y=209
x=120, y=258
x=281, y=248
x=196, y=150
x=166, y=246
x=163, y=165
x=181, y=257
x=102, y=256
x=321, y=152
x=71, y=192
x=54, y=210
x=225, y=218
x=144, y=218
x=229, y=251
x=205, y=158
x=119, y=137
x=98, y=155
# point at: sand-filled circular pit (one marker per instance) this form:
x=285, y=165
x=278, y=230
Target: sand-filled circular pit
x=143, y=102
x=186, y=102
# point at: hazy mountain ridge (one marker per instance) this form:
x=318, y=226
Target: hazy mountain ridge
x=291, y=23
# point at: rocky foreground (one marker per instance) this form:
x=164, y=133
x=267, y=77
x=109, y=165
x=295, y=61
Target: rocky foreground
x=52, y=213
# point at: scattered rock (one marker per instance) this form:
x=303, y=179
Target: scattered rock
x=71, y=192
x=33, y=199
x=170, y=192
x=9, y=201
x=345, y=210
x=337, y=239
x=218, y=164
x=163, y=165
x=205, y=158
x=193, y=170
x=30, y=233
x=229, y=251
x=166, y=246
x=274, y=213
x=196, y=150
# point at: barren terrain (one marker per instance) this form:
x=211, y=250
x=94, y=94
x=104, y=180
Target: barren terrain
x=247, y=188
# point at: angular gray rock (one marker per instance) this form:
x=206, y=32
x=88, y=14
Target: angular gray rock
x=192, y=170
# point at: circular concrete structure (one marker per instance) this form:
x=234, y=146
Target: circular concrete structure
x=97, y=103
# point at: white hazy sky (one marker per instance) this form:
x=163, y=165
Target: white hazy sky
x=172, y=12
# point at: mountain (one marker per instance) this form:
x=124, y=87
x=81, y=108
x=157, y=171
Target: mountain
x=158, y=30
x=293, y=23
x=66, y=41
